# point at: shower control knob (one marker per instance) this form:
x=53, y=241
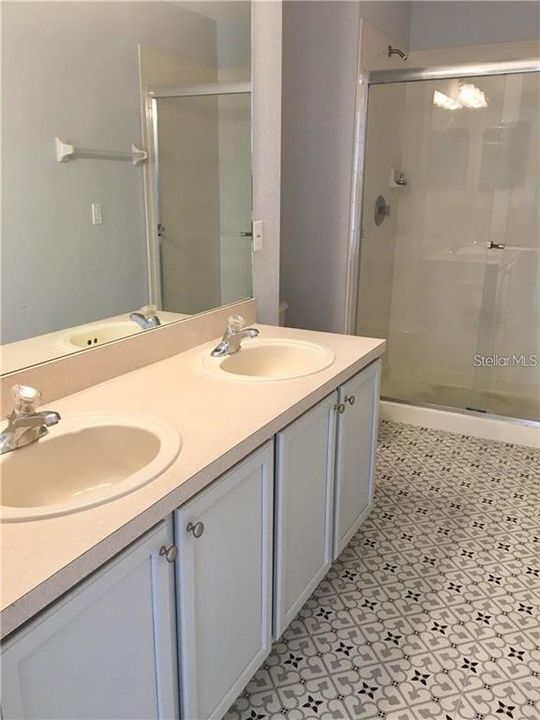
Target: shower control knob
x=350, y=399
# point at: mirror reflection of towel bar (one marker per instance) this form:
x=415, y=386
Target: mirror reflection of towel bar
x=67, y=151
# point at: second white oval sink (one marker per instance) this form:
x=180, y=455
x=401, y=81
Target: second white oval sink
x=85, y=460
x=98, y=334
x=270, y=360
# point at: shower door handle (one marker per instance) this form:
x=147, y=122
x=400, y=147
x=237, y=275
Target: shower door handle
x=495, y=246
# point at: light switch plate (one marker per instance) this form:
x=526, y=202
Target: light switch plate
x=97, y=215
x=258, y=235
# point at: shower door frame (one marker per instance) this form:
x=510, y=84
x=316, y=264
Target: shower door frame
x=354, y=255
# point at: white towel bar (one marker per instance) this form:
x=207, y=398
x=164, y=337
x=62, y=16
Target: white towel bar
x=66, y=151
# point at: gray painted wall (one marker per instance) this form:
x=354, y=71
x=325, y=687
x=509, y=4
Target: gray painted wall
x=320, y=44
x=391, y=18
x=71, y=70
x=450, y=24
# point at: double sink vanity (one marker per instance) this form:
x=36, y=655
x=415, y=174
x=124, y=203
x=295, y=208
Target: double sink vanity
x=175, y=519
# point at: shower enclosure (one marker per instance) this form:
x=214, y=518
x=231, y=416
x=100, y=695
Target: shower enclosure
x=450, y=246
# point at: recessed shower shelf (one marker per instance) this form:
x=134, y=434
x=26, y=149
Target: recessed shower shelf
x=66, y=151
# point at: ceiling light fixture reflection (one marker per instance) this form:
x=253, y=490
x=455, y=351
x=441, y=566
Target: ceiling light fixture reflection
x=443, y=101
x=470, y=96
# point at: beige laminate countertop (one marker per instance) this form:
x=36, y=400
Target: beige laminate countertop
x=220, y=422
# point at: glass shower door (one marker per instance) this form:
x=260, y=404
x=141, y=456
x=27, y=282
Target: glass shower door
x=451, y=175
x=507, y=370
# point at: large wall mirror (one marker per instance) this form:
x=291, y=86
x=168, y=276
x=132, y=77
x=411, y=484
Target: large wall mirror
x=126, y=180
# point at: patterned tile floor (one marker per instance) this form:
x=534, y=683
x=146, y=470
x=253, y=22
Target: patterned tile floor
x=433, y=610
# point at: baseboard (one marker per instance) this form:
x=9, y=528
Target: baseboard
x=478, y=425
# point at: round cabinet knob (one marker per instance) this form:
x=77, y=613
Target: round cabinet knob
x=350, y=399
x=340, y=408
x=170, y=553
x=197, y=529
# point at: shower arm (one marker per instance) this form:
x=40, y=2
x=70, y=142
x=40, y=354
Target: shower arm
x=396, y=51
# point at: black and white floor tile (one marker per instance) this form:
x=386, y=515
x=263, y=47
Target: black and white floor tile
x=433, y=610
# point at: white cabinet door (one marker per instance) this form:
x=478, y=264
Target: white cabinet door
x=107, y=651
x=224, y=587
x=355, y=452
x=304, y=505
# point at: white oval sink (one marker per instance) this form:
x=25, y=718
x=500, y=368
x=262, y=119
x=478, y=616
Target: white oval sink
x=85, y=460
x=271, y=360
x=99, y=334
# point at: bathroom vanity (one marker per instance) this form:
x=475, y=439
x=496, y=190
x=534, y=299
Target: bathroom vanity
x=212, y=559
x=180, y=510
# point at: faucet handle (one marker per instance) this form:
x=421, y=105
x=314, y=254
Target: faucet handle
x=25, y=398
x=148, y=311
x=235, y=323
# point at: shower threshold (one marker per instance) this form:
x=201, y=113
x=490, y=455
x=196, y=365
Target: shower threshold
x=484, y=425
x=467, y=411
x=455, y=398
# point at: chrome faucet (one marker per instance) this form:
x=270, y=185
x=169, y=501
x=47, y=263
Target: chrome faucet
x=25, y=424
x=146, y=317
x=233, y=336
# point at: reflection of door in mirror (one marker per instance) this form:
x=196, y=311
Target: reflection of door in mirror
x=204, y=197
